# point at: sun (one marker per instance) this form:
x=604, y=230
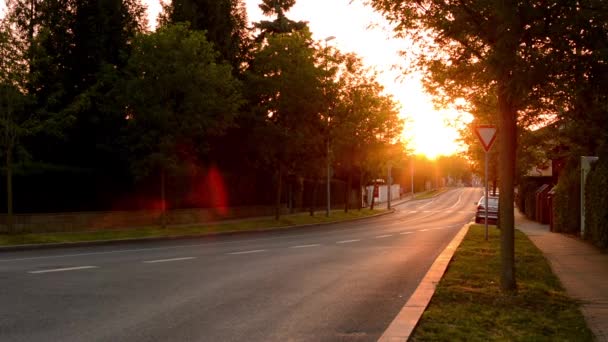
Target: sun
x=431, y=133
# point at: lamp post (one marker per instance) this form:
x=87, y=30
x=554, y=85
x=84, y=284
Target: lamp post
x=328, y=147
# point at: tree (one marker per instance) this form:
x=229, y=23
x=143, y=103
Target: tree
x=288, y=101
x=75, y=53
x=17, y=117
x=224, y=21
x=482, y=47
x=364, y=124
x=281, y=24
x=176, y=97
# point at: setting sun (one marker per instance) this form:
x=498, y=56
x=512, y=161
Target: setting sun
x=361, y=30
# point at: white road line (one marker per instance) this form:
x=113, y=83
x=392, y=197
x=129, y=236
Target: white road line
x=348, y=241
x=63, y=269
x=383, y=236
x=427, y=211
x=306, y=246
x=248, y=252
x=422, y=230
x=413, y=212
x=167, y=260
x=405, y=233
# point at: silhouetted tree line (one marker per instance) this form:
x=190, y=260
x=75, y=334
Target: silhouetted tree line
x=98, y=112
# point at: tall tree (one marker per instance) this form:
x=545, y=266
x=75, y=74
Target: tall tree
x=18, y=118
x=224, y=21
x=176, y=96
x=288, y=99
x=365, y=122
x=281, y=24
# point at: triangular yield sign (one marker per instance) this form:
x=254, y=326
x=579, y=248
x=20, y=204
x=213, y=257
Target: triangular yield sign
x=487, y=135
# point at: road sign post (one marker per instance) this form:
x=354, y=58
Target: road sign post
x=486, y=135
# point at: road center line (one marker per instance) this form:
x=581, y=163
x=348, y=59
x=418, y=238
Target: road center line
x=348, y=241
x=167, y=260
x=383, y=236
x=423, y=230
x=305, y=246
x=248, y=252
x=405, y=233
x=62, y=269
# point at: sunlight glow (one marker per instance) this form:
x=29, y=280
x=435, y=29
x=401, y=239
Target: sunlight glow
x=357, y=28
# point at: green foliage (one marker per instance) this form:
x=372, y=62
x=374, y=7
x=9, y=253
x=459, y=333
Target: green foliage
x=287, y=96
x=566, y=202
x=176, y=96
x=365, y=125
x=224, y=21
x=596, y=203
x=281, y=24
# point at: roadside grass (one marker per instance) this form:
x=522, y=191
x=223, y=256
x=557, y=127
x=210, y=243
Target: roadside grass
x=468, y=304
x=252, y=224
x=430, y=193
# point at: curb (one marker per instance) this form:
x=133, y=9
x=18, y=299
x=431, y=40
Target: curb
x=403, y=325
x=170, y=238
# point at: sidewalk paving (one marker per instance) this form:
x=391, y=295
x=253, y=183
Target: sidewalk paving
x=581, y=267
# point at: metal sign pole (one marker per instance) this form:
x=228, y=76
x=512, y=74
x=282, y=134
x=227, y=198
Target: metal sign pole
x=388, y=193
x=486, y=196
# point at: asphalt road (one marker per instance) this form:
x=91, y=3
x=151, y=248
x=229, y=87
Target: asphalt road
x=340, y=282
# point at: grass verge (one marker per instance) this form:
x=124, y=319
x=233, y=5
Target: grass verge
x=195, y=230
x=468, y=304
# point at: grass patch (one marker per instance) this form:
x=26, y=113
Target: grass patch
x=468, y=304
x=430, y=193
x=195, y=230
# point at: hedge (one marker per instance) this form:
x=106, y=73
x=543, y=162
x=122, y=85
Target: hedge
x=566, y=202
x=596, y=203
x=526, y=194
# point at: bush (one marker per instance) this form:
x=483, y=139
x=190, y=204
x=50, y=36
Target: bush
x=596, y=203
x=566, y=203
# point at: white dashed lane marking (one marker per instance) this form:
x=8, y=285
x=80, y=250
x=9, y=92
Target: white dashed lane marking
x=349, y=241
x=168, y=260
x=248, y=252
x=62, y=269
x=306, y=246
x=383, y=236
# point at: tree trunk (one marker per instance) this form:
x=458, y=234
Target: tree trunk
x=163, y=201
x=313, y=200
x=373, y=197
x=9, y=191
x=507, y=130
x=290, y=196
x=349, y=181
x=360, y=191
x=277, y=213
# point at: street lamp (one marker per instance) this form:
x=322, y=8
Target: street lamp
x=328, y=148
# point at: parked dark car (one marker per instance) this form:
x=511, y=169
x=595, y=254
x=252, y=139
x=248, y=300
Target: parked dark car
x=492, y=210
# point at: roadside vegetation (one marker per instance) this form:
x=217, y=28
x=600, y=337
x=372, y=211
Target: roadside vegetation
x=255, y=224
x=469, y=305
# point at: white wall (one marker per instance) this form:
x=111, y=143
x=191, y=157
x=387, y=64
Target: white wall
x=382, y=193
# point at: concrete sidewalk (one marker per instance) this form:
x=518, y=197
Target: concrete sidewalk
x=581, y=267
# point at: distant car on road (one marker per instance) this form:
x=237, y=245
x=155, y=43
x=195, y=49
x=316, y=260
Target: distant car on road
x=480, y=216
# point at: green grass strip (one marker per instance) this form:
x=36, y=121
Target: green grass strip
x=194, y=230
x=468, y=304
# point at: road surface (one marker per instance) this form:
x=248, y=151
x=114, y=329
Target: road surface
x=339, y=282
